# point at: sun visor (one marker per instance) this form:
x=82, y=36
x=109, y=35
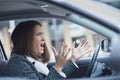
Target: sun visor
x=53, y=10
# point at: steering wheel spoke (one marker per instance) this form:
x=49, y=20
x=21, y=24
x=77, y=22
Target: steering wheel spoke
x=92, y=62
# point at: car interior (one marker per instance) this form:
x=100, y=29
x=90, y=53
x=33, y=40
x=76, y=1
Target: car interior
x=101, y=64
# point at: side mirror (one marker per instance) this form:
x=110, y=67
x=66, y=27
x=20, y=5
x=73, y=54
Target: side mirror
x=105, y=45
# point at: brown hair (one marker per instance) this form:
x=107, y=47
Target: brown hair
x=22, y=38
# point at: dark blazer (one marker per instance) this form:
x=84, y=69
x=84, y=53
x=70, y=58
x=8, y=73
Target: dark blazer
x=19, y=66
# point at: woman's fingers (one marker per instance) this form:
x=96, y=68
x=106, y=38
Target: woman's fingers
x=85, y=44
x=61, y=48
x=67, y=53
x=64, y=50
x=61, y=58
x=87, y=47
x=82, y=41
x=54, y=51
x=73, y=45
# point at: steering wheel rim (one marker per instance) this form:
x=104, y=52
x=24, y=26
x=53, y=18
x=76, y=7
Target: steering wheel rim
x=92, y=62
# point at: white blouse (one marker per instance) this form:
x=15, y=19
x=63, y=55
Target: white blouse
x=41, y=67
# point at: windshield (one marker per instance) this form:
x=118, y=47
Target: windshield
x=113, y=3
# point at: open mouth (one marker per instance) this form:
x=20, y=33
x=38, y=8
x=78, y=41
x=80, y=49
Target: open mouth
x=43, y=45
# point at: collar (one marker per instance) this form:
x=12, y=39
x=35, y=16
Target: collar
x=41, y=67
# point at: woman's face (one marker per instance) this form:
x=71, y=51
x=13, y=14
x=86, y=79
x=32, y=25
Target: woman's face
x=38, y=40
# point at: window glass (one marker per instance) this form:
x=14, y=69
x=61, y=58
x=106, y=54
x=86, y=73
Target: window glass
x=56, y=31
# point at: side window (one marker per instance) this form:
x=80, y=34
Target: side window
x=5, y=45
x=55, y=32
x=64, y=31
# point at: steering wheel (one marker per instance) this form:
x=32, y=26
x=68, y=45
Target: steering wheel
x=92, y=62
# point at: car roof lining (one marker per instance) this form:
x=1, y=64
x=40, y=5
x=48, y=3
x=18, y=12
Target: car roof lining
x=28, y=9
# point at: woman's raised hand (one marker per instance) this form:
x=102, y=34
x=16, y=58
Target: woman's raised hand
x=62, y=57
x=81, y=50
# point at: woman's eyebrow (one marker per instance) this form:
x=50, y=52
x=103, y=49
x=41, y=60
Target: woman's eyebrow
x=40, y=32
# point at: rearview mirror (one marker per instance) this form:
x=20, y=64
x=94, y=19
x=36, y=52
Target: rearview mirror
x=105, y=45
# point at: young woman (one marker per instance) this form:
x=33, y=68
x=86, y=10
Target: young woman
x=30, y=54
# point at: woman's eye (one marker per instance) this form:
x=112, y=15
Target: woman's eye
x=40, y=33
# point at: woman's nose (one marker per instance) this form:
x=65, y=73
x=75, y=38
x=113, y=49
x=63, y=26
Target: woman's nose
x=43, y=39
